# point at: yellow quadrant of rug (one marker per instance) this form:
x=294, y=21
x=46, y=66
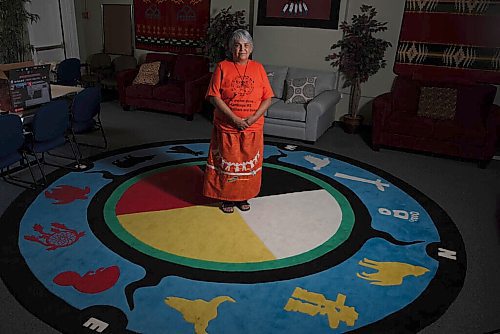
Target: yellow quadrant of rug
x=198, y=232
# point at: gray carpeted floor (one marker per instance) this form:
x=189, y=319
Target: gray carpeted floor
x=471, y=197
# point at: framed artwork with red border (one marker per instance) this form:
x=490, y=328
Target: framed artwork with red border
x=299, y=13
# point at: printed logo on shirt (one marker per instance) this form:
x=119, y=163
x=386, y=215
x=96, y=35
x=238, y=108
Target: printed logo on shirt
x=242, y=85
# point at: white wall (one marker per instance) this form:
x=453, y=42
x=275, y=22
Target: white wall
x=90, y=30
x=300, y=47
x=307, y=47
x=216, y=5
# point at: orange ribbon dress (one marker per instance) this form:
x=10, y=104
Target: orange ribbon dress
x=234, y=164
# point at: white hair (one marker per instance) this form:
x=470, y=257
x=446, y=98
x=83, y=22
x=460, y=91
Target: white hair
x=240, y=34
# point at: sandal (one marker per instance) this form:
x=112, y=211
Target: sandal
x=243, y=205
x=227, y=207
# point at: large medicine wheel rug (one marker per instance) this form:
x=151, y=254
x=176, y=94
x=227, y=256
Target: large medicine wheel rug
x=330, y=245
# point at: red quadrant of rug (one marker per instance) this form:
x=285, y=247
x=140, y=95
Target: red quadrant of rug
x=171, y=189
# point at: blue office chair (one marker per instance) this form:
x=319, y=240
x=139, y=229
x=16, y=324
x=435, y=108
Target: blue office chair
x=49, y=130
x=86, y=114
x=68, y=72
x=11, y=144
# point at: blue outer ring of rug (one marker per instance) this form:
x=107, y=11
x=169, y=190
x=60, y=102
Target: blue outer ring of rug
x=28, y=272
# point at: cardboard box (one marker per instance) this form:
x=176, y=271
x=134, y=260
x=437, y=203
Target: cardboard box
x=5, y=103
x=5, y=68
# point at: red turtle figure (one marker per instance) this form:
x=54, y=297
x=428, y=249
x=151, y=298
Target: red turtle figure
x=64, y=194
x=60, y=237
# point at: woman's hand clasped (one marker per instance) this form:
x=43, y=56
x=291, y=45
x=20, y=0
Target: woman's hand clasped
x=240, y=123
x=250, y=120
x=243, y=123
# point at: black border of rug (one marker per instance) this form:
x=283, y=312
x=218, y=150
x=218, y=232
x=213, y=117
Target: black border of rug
x=414, y=317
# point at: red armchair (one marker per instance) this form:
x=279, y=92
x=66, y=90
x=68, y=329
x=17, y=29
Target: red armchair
x=183, y=83
x=469, y=134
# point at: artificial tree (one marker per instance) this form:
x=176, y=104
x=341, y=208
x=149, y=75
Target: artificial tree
x=360, y=56
x=13, y=20
x=220, y=29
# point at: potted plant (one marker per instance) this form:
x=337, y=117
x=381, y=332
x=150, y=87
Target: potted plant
x=13, y=38
x=220, y=29
x=360, y=56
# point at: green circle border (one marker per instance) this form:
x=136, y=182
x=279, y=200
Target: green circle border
x=345, y=228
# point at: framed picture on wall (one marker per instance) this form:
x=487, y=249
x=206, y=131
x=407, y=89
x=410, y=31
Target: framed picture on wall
x=299, y=13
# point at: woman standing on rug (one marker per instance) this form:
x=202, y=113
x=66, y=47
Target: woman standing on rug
x=241, y=93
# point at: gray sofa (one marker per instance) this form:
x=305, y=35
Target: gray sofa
x=306, y=121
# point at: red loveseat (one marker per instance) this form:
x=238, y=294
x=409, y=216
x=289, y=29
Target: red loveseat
x=183, y=83
x=470, y=134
